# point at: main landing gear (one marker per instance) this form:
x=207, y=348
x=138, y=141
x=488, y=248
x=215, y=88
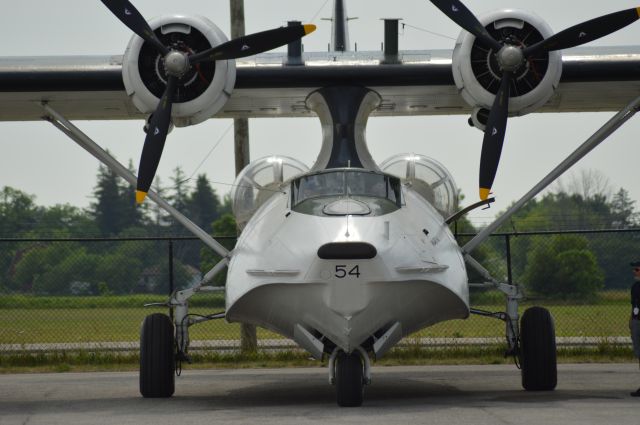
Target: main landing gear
x=163, y=344
x=538, y=350
x=157, y=357
x=533, y=343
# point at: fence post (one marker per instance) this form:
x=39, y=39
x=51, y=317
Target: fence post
x=171, y=283
x=509, y=275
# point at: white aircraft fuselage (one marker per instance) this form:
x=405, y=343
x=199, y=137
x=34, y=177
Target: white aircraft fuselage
x=415, y=277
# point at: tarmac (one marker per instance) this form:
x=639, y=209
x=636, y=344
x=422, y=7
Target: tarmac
x=478, y=395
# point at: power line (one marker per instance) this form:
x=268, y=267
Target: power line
x=312, y=20
x=427, y=31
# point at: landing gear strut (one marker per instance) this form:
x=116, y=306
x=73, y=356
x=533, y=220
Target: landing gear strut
x=533, y=343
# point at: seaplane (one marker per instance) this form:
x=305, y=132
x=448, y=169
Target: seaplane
x=348, y=256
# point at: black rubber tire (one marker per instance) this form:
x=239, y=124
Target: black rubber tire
x=538, y=350
x=349, y=379
x=157, y=357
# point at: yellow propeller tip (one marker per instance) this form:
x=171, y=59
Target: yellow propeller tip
x=638, y=11
x=140, y=196
x=309, y=28
x=484, y=193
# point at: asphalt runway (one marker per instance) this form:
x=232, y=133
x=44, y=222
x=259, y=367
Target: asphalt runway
x=586, y=394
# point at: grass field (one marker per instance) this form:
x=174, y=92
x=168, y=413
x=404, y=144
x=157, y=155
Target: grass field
x=109, y=362
x=29, y=320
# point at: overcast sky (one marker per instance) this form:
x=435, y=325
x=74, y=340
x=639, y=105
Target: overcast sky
x=38, y=159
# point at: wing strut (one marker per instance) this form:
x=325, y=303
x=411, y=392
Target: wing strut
x=101, y=155
x=598, y=137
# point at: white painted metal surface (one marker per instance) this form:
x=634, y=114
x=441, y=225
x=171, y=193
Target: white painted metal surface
x=347, y=301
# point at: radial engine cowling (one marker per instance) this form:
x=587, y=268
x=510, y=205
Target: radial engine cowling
x=477, y=73
x=203, y=90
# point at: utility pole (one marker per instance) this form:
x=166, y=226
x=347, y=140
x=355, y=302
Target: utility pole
x=248, y=333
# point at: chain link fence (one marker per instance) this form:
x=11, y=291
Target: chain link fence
x=89, y=293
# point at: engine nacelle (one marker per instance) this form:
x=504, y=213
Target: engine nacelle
x=477, y=74
x=259, y=181
x=203, y=90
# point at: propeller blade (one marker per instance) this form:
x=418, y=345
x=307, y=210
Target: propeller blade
x=585, y=32
x=494, y=137
x=129, y=15
x=154, y=142
x=253, y=44
x=462, y=16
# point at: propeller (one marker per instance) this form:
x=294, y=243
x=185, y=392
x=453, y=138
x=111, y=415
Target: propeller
x=177, y=63
x=510, y=58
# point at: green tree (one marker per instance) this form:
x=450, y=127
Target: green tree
x=34, y=260
x=160, y=219
x=76, y=268
x=18, y=212
x=564, y=268
x=179, y=190
x=64, y=221
x=224, y=226
x=177, y=197
x=203, y=204
x=115, y=207
x=53, y=268
x=119, y=272
x=226, y=206
x=156, y=279
x=623, y=212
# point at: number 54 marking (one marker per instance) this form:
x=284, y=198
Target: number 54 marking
x=343, y=271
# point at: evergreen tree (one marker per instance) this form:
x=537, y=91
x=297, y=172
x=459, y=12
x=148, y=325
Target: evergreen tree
x=225, y=225
x=133, y=214
x=622, y=210
x=159, y=217
x=115, y=207
x=203, y=205
x=180, y=188
x=226, y=207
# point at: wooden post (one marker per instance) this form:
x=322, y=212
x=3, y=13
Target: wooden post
x=248, y=333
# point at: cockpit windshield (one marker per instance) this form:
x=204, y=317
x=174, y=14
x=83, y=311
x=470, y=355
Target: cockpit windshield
x=367, y=187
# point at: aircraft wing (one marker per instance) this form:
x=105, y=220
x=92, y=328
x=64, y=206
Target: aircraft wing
x=91, y=87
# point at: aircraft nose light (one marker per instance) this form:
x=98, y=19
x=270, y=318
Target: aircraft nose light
x=347, y=251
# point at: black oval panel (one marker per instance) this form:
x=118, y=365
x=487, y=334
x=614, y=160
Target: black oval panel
x=347, y=251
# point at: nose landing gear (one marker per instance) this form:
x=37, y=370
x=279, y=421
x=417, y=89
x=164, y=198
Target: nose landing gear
x=349, y=372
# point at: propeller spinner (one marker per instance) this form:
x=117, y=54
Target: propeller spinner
x=177, y=64
x=510, y=58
